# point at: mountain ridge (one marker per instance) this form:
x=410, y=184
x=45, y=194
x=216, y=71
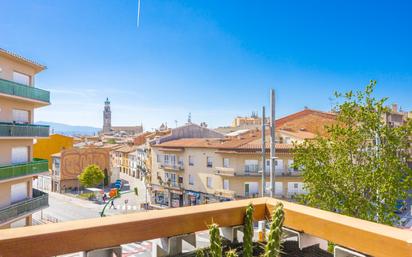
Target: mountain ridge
x=70, y=130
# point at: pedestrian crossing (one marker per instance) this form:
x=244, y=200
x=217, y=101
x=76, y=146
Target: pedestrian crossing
x=127, y=207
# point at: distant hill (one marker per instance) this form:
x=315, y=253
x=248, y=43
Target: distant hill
x=70, y=130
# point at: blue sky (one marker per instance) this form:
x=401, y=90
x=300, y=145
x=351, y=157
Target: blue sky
x=215, y=59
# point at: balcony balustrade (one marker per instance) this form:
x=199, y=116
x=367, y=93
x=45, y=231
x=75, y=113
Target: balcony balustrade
x=16, y=89
x=368, y=238
x=23, y=169
x=23, y=130
x=40, y=200
x=251, y=168
x=225, y=171
x=172, y=166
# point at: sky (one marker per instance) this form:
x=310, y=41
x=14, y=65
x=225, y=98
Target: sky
x=214, y=59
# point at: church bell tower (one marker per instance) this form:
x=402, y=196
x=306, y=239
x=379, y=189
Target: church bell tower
x=107, y=117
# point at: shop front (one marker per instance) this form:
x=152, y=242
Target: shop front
x=160, y=196
x=192, y=198
x=176, y=198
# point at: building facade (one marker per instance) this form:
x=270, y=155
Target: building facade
x=18, y=100
x=45, y=147
x=191, y=171
x=69, y=164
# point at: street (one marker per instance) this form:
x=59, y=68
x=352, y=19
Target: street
x=64, y=207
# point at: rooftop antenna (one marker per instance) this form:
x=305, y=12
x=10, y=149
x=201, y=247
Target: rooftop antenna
x=138, y=14
x=189, y=118
x=176, y=123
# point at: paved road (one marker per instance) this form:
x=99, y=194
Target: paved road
x=65, y=208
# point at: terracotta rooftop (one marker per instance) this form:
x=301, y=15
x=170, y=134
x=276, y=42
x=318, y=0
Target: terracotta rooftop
x=38, y=67
x=126, y=149
x=306, y=124
x=192, y=142
x=312, y=121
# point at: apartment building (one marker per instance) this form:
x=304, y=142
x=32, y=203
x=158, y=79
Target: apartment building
x=18, y=100
x=123, y=159
x=199, y=170
x=45, y=147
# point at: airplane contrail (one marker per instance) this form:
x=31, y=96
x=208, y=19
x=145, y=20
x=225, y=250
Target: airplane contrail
x=138, y=13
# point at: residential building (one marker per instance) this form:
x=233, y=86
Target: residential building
x=69, y=164
x=18, y=100
x=120, y=161
x=247, y=122
x=191, y=171
x=45, y=147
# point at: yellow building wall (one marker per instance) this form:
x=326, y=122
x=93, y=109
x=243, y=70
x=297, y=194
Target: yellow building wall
x=45, y=147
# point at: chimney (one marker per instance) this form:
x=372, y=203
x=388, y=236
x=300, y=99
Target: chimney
x=394, y=107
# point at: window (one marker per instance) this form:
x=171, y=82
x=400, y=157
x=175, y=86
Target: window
x=21, y=78
x=169, y=159
x=251, y=188
x=209, y=182
x=159, y=158
x=209, y=162
x=226, y=162
x=226, y=184
x=295, y=186
x=251, y=165
x=287, y=140
x=18, y=192
x=21, y=116
x=56, y=166
x=172, y=178
x=191, y=180
x=191, y=160
x=290, y=164
x=166, y=159
x=19, y=154
x=279, y=165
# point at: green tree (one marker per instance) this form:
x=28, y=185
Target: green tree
x=111, y=141
x=360, y=168
x=91, y=176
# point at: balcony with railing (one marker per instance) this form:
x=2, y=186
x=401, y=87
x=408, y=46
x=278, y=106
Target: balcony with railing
x=23, y=130
x=289, y=172
x=308, y=226
x=172, y=166
x=39, y=200
x=27, y=92
x=23, y=169
x=225, y=171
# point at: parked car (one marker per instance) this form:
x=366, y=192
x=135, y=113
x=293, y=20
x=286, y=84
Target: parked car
x=400, y=206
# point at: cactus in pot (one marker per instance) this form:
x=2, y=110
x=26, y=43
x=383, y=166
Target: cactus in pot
x=274, y=244
x=215, y=241
x=248, y=232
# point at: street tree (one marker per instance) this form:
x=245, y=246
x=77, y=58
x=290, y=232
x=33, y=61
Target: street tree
x=91, y=176
x=360, y=168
